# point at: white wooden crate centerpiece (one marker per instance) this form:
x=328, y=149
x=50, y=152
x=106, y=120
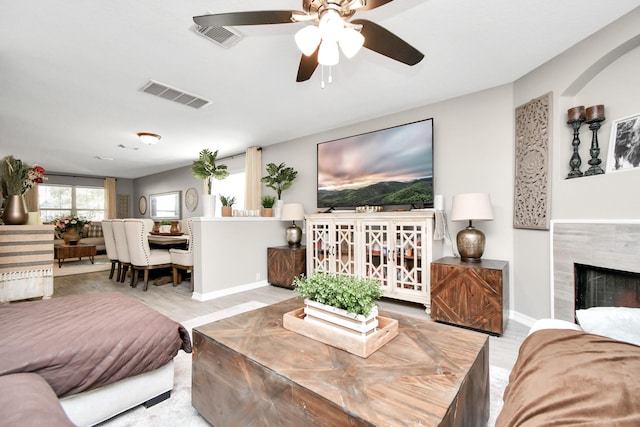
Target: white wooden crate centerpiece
x=358, y=334
x=338, y=318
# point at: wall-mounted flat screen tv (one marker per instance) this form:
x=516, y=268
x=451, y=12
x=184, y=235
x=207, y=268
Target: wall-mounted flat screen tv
x=392, y=166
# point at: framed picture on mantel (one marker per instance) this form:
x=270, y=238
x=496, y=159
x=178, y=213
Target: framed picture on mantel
x=624, y=146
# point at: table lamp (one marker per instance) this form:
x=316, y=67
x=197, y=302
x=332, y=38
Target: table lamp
x=293, y=212
x=470, y=207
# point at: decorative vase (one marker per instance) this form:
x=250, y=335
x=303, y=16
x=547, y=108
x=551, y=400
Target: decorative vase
x=174, y=227
x=72, y=236
x=226, y=210
x=209, y=205
x=156, y=227
x=15, y=210
x=267, y=211
x=277, y=208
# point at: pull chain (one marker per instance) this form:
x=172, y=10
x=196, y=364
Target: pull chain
x=330, y=79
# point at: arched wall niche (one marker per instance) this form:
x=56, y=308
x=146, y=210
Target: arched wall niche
x=590, y=73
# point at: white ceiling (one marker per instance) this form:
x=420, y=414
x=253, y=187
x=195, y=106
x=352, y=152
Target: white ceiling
x=71, y=71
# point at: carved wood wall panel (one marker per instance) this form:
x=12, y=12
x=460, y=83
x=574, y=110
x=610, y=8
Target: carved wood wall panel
x=123, y=210
x=532, y=181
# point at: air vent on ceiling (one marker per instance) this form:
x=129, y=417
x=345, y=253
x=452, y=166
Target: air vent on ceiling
x=222, y=36
x=172, y=94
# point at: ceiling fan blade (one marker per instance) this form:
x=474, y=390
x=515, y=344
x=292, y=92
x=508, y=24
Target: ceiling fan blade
x=383, y=41
x=246, y=18
x=372, y=4
x=308, y=65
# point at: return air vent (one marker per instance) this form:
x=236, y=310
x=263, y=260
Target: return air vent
x=175, y=95
x=222, y=36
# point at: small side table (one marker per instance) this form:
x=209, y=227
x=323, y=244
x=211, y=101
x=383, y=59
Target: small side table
x=471, y=294
x=285, y=263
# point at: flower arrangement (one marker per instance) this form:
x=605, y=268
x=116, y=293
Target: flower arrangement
x=18, y=177
x=65, y=223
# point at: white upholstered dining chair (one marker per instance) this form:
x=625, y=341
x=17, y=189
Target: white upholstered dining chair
x=122, y=247
x=110, y=247
x=182, y=259
x=143, y=258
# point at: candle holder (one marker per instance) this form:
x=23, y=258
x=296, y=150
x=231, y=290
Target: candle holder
x=594, y=169
x=576, y=118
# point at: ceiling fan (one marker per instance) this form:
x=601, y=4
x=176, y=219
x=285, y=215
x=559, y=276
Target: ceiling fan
x=332, y=27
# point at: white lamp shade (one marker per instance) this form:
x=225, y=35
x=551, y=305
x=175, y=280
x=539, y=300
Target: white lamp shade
x=308, y=39
x=292, y=212
x=471, y=206
x=328, y=53
x=350, y=41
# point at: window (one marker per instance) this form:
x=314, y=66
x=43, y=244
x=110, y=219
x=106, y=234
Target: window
x=233, y=185
x=65, y=200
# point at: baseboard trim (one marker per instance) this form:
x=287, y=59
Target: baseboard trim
x=521, y=318
x=229, y=291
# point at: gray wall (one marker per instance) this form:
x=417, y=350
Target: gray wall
x=602, y=69
x=474, y=151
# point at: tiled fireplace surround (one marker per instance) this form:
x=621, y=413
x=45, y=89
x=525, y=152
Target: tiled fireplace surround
x=607, y=244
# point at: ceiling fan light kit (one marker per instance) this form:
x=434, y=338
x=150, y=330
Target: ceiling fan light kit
x=331, y=28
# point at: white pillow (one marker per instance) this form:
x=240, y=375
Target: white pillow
x=620, y=323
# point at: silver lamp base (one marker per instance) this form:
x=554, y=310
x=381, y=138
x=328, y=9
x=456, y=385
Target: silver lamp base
x=294, y=235
x=470, y=243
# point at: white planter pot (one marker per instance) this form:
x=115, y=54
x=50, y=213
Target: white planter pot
x=341, y=319
x=277, y=209
x=209, y=205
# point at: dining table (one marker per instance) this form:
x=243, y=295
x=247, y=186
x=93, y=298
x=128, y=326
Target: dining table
x=167, y=241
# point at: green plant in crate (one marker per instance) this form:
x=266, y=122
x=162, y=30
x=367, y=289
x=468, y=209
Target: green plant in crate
x=340, y=291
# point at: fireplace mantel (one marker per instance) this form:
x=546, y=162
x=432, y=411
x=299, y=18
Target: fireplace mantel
x=611, y=244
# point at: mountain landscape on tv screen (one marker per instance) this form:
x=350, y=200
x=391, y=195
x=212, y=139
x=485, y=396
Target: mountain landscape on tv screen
x=418, y=192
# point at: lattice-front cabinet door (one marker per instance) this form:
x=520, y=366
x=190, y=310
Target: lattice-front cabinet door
x=376, y=251
x=344, y=248
x=410, y=258
x=319, y=246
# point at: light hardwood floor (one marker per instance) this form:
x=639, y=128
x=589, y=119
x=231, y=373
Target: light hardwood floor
x=176, y=303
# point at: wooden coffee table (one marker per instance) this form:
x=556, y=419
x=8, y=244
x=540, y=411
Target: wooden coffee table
x=249, y=370
x=62, y=252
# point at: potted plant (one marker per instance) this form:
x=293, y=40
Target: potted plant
x=16, y=178
x=165, y=226
x=354, y=296
x=340, y=311
x=267, y=205
x=205, y=168
x=227, y=204
x=279, y=178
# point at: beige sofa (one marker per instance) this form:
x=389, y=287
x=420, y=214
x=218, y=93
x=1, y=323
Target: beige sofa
x=91, y=236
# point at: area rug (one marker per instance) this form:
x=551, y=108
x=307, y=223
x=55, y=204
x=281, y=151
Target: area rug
x=73, y=266
x=177, y=411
